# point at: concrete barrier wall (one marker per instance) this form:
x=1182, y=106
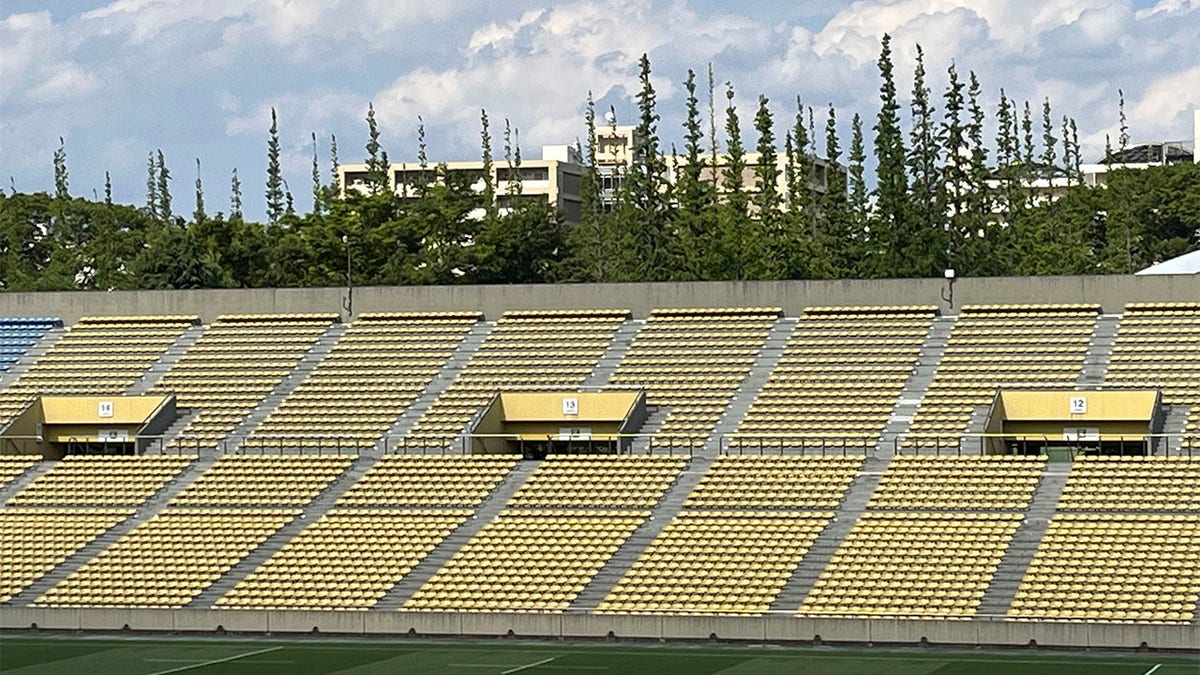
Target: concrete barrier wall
x=576, y=626
x=1112, y=292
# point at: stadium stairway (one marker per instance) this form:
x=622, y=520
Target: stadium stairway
x=615, y=352
x=914, y=389
x=30, y=475
x=1099, y=352
x=804, y=577
x=311, y=513
x=183, y=416
x=440, y=555
x=31, y=356
x=445, y=377
x=663, y=513
x=655, y=416
x=743, y=397
x=97, y=546
x=1173, y=426
x=1003, y=588
x=168, y=359
x=286, y=386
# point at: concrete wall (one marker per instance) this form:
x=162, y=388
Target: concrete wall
x=1110, y=291
x=570, y=626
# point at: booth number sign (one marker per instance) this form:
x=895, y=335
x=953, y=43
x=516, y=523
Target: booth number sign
x=570, y=406
x=1078, y=405
x=105, y=409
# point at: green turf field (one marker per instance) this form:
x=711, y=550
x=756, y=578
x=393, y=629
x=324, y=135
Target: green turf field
x=155, y=656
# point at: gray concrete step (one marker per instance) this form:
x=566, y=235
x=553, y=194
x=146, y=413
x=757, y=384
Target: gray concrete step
x=914, y=388
x=1099, y=352
x=1174, y=426
x=615, y=352
x=145, y=512
x=1003, y=588
x=655, y=417
x=660, y=516
x=443, y=552
x=743, y=397
x=445, y=377
x=168, y=359
x=307, y=364
x=311, y=513
x=31, y=355
x=821, y=552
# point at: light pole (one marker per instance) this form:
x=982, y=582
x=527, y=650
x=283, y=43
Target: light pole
x=948, y=293
x=348, y=304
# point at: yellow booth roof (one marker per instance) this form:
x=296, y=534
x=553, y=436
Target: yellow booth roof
x=1097, y=406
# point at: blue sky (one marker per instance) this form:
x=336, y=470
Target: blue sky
x=118, y=79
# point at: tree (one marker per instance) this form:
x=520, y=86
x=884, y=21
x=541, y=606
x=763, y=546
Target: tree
x=800, y=192
x=856, y=175
x=61, y=179
x=199, y=215
x=957, y=181
x=923, y=158
x=317, y=190
x=1049, y=142
x=152, y=196
x=1123, y=139
x=891, y=222
x=643, y=211
x=766, y=201
x=274, y=191
x=164, y=188
x=108, y=188
x=695, y=196
x=235, y=195
x=592, y=244
x=334, y=179
x=737, y=254
x=489, y=173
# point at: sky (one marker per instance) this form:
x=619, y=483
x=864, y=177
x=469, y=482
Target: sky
x=118, y=79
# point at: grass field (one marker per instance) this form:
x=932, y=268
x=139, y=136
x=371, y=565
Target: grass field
x=154, y=656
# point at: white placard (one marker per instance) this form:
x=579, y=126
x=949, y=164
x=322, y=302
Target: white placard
x=1078, y=405
x=105, y=409
x=1087, y=434
x=114, y=435
x=570, y=406
x=574, y=433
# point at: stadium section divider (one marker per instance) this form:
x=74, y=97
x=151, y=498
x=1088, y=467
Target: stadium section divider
x=770, y=628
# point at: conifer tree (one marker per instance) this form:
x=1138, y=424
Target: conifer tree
x=923, y=153
x=645, y=196
x=737, y=256
x=423, y=154
x=274, y=193
x=801, y=198
x=485, y=146
x=107, y=189
x=152, y=200
x=956, y=170
x=1027, y=137
x=835, y=247
x=1049, y=142
x=198, y=215
x=694, y=194
x=235, y=195
x=164, y=188
x=333, y=161
x=61, y=178
x=712, y=126
x=317, y=190
x=891, y=222
x=377, y=163
x=766, y=198
x=1123, y=139
x=857, y=207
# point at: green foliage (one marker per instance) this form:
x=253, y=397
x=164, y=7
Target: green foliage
x=274, y=192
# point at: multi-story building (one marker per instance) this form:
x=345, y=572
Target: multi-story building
x=557, y=178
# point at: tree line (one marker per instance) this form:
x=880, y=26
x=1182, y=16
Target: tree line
x=944, y=196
